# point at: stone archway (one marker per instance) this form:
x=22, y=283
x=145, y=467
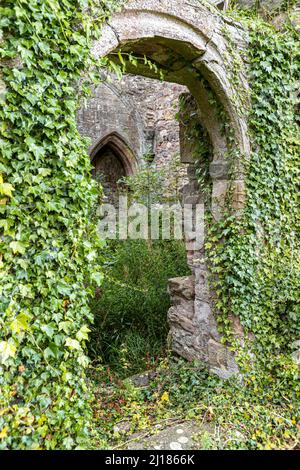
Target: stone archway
x=186, y=40
x=120, y=148
x=113, y=158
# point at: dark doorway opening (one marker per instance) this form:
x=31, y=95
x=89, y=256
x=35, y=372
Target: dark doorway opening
x=109, y=169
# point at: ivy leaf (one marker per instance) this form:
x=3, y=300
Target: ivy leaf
x=7, y=349
x=51, y=351
x=73, y=343
x=68, y=443
x=49, y=329
x=3, y=433
x=37, y=150
x=65, y=326
x=6, y=189
x=83, y=333
x=97, y=278
x=44, y=171
x=83, y=360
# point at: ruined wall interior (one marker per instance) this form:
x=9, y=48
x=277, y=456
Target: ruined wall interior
x=158, y=104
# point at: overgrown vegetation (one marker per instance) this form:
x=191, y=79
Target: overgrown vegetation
x=130, y=310
x=130, y=329
x=227, y=414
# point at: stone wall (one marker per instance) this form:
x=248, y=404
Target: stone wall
x=108, y=112
x=193, y=328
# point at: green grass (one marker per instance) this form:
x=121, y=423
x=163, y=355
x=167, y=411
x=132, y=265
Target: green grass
x=130, y=311
x=229, y=414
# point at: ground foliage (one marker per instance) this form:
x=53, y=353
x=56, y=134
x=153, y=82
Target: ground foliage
x=227, y=414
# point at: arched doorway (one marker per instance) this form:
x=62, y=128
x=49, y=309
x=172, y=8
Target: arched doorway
x=112, y=160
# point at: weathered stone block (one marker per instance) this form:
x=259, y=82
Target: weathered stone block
x=183, y=287
x=205, y=320
x=239, y=195
x=220, y=188
x=218, y=170
x=180, y=317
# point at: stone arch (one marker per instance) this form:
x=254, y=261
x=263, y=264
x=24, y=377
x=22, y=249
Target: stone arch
x=186, y=40
x=112, y=160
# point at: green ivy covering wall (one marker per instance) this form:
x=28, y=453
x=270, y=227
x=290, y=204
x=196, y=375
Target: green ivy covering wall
x=48, y=245
x=257, y=262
